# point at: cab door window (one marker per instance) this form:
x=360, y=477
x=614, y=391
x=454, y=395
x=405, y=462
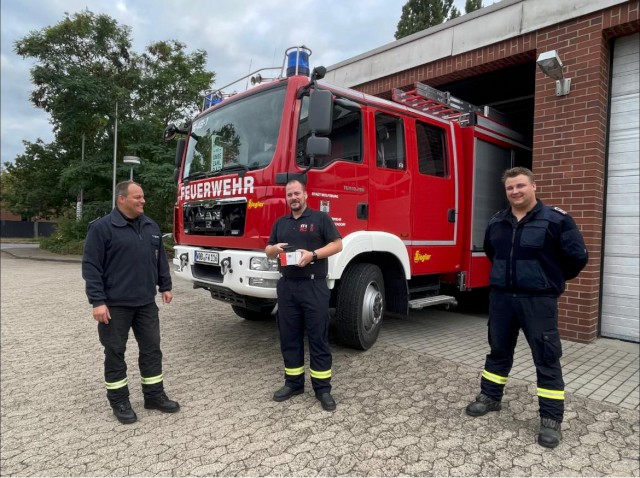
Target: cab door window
x=390, y=153
x=432, y=151
x=345, y=136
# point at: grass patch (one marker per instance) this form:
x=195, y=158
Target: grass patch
x=62, y=245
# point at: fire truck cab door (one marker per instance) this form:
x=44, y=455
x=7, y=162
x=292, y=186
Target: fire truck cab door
x=434, y=188
x=390, y=184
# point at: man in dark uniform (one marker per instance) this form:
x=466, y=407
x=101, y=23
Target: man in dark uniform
x=303, y=294
x=124, y=265
x=533, y=249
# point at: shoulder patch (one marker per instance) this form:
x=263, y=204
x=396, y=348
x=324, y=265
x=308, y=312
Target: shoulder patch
x=561, y=211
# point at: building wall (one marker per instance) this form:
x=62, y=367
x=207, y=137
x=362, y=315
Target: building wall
x=8, y=216
x=569, y=143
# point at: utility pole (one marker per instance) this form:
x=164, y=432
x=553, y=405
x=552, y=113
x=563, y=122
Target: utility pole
x=115, y=154
x=80, y=199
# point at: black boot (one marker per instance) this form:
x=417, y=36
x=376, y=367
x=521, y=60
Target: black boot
x=327, y=401
x=161, y=402
x=286, y=392
x=550, y=434
x=123, y=412
x=483, y=405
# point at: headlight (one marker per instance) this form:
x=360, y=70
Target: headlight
x=263, y=264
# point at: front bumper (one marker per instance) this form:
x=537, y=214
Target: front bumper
x=233, y=273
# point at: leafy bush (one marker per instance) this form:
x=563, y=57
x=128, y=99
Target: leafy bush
x=70, y=233
x=58, y=244
x=167, y=241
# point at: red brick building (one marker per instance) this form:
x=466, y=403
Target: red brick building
x=584, y=143
x=8, y=216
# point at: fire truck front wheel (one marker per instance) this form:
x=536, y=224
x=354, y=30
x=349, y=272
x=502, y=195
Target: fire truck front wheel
x=360, y=306
x=248, y=314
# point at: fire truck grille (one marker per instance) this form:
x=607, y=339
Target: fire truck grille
x=215, y=217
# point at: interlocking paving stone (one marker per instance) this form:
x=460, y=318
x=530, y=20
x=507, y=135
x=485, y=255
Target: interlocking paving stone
x=400, y=408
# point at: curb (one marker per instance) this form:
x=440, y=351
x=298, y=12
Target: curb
x=52, y=258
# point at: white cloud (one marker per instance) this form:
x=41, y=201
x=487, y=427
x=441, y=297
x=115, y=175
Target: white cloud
x=236, y=34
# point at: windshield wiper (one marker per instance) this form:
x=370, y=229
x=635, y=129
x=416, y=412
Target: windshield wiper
x=201, y=175
x=234, y=167
x=240, y=168
x=196, y=175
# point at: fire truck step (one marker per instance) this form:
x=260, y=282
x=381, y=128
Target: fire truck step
x=434, y=300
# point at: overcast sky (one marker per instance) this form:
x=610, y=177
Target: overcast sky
x=239, y=36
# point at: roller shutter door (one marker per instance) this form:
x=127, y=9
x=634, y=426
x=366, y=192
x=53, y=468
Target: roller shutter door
x=620, y=314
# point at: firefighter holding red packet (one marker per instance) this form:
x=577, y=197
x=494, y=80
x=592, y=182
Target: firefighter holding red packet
x=302, y=241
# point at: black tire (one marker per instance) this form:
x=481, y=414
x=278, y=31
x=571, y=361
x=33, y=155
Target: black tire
x=360, y=306
x=248, y=314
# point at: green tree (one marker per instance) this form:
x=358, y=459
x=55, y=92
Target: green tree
x=472, y=5
x=171, y=82
x=83, y=65
x=418, y=15
x=84, y=69
x=30, y=186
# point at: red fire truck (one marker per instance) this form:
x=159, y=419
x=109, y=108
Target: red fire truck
x=410, y=184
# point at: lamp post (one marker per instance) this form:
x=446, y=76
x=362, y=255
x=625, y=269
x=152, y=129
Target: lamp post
x=115, y=152
x=132, y=160
x=80, y=194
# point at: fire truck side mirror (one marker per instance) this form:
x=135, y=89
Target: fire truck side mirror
x=172, y=130
x=170, y=133
x=318, y=73
x=179, y=151
x=178, y=159
x=320, y=111
x=318, y=146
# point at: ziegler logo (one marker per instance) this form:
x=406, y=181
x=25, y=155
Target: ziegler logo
x=417, y=257
x=255, y=204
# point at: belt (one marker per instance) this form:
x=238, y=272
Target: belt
x=310, y=277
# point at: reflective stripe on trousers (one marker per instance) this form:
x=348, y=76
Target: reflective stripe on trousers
x=538, y=319
x=303, y=305
x=113, y=336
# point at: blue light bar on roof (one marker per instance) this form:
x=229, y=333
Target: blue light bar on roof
x=298, y=61
x=212, y=99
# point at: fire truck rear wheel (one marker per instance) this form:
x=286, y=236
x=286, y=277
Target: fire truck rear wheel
x=360, y=306
x=248, y=314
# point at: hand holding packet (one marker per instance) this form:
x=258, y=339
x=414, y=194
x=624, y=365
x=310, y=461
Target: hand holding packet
x=290, y=256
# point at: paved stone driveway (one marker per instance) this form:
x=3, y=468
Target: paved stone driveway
x=400, y=412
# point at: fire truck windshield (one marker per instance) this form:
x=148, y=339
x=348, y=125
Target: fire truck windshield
x=240, y=136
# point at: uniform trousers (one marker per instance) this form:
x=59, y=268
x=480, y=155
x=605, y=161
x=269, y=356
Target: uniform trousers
x=538, y=319
x=145, y=323
x=303, y=305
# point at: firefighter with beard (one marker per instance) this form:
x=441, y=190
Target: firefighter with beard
x=303, y=294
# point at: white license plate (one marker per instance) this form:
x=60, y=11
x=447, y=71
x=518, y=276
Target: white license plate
x=207, y=257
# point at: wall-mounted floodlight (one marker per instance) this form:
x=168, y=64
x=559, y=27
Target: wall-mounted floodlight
x=551, y=65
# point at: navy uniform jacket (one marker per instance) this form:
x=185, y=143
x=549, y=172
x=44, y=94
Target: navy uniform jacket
x=536, y=255
x=124, y=262
x=311, y=231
